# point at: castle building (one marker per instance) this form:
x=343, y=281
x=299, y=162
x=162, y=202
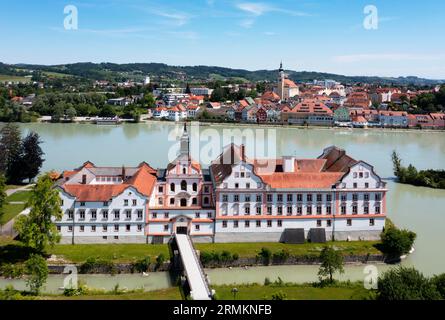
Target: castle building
x=236, y=199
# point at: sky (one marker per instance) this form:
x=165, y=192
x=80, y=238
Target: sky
x=335, y=36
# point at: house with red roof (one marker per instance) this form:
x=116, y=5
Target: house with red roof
x=308, y=112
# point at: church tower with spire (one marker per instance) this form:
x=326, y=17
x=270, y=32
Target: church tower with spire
x=281, y=81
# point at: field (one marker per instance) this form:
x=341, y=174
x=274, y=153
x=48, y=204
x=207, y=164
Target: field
x=6, y=78
x=12, y=210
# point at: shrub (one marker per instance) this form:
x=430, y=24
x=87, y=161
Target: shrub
x=397, y=242
x=142, y=265
x=439, y=282
x=267, y=282
x=406, y=284
x=279, y=296
x=160, y=260
x=12, y=271
x=9, y=293
x=37, y=270
x=93, y=265
x=265, y=255
x=281, y=256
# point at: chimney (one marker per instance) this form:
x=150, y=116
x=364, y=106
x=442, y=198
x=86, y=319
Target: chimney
x=243, y=153
x=84, y=179
x=124, y=173
x=289, y=164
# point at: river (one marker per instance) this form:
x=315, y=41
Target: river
x=422, y=210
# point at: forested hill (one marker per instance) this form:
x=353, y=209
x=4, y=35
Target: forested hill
x=111, y=71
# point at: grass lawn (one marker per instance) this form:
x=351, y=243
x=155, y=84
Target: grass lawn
x=119, y=253
x=166, y=294
x=251, y=249
x=11, y=211
x=11, y=186
x=20, y=196
x=6, y=78
x=293, y=292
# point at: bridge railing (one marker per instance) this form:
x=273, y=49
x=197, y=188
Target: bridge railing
x=201, y=267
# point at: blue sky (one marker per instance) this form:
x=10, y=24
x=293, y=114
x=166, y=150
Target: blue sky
x=311, y=35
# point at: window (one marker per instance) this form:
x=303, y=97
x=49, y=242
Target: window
x=269, y=198
x=243, y=174
x=128, y=214
x=279, y=223
x=280, y=198
x=135, y=202
x=328, y=210
x=355, y=197
x=377, y=210
x=299, y=197
x=354, y=175
x=235, y=224
x=206, y=189
x=366, y=185
x=166, y=215
x=236, y=198
x=160, y=201
x=184, y=185
x=236, y=174
x=172, y=201
x=70, y=228
x=206, y=200
x=61, y=203
x=197, y=227
x=372, y=222
x=319, y=210
x=247, y=224
x=289, y=210
x=269, y=210
x=236, y=185
x=128, y=228
x=70, y=214
x=259, y=198
x=299, y=210
x=366, y=210
x=116, y=215
x=290, y=198
x=59, y=229
x=328, y=197
x=378, y=197
x=309, y=211
x=104, y=228
x=166, y=227
x=184, y=170
x=269, y=223
x=82, y=204
x=224, y=224
x=349, y=222
x=247, y=185
x=247, y=198
x=125, y=203
x=309, y=198
x=344, y=197
x=161, y=189
x=93, y=214
x=116, y=237
x=247, y=210
x=328, y=223
x=258, y=210
x=366, y=197
x=354, y=209
x=140, y=214
x=225, y=198
x=82, y=228
x=366, y=174
x=172, y=187
x=360, y=175
x=139, y=227
x=197, y=215
x=319, y=198
x=82, y=214
x=258, y=223
x=355, y=185
x=93, y=228
x=280, y=210
x=155, y=215
x=105, y=204
x=209, y=215
x=318, y=223
x=194, y=201
x=343, y=210
x=116, y=228
x=105, y=214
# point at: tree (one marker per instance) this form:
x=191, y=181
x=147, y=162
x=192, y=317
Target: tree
x=439, y=282
x=397, y=242
x=37, y=269
x=32, y=156
x=331, y=262
x=406, y=284
x=37, y=230
x=2, y=195
x=71, y=113
x=187, y=89
x=10, y=152
x=149, y=100
x=397, y=163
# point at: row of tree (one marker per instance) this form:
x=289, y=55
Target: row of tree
x=20, y=159
x=424, y=178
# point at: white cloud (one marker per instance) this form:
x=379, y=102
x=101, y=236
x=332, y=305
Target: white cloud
x=387, y=57
x=248, y=23
x=257, y=9
x=176, y=18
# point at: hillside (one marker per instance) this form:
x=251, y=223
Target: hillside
x=136, y=71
